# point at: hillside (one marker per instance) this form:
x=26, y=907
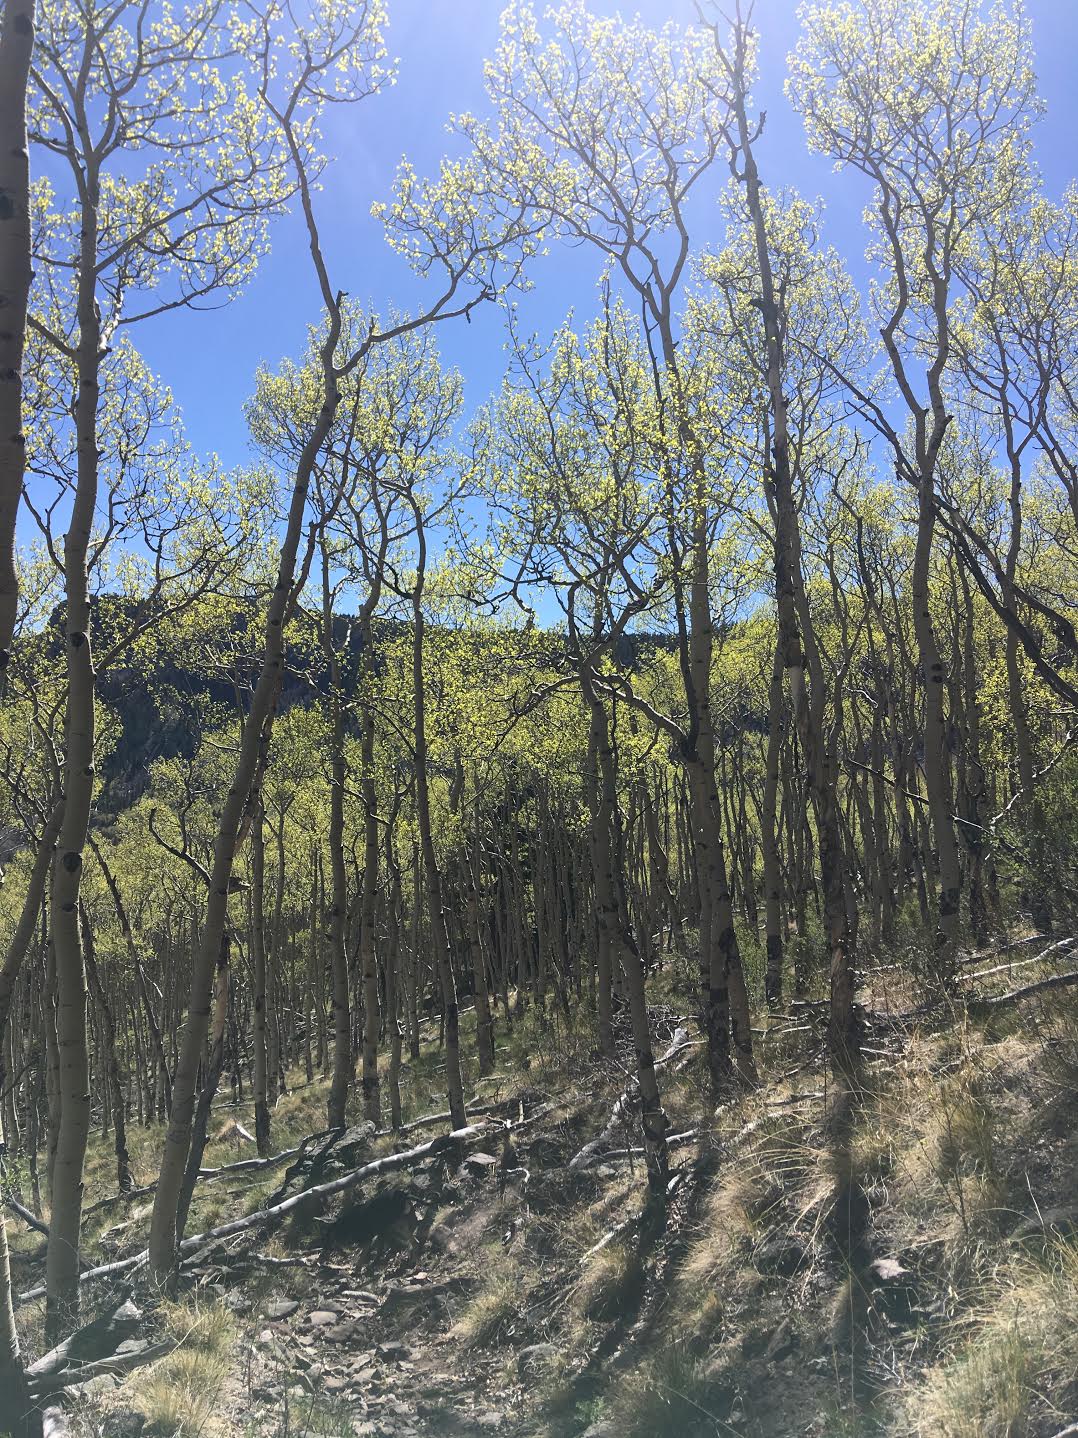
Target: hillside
x=904, y=1267
x=538, y=719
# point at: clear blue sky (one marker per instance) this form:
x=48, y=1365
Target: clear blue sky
x=210, y=359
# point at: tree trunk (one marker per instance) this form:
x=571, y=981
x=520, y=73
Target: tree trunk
x=937, y=762
x=14, y=1396
x=769, y=841
x=484, y=1023
x=613, y=920
x=65, y=1227
x=435, y=907
x=259, y=1057
x=603, y=952
x=211, y=1077
x=255, y=735
x=124, y=1181
x=16, y=52
x=368, y=948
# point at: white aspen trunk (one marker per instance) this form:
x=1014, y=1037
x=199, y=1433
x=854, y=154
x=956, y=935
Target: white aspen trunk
x=435, y=906
x=612, y=918
x=259, y=1058
x=368, y=949
x=16, y=51
x=255, y=734
x=65, y=1227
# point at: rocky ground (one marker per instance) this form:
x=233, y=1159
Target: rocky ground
x=904, y=1271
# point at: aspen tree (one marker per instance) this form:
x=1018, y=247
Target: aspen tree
x=107, y=77
x=605, y=129
x=941, y=131
x=16, y=52
x=340, y=48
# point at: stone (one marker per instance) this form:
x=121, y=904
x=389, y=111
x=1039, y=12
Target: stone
x=284, y=1309
x=536, y=1355
x=101, y=1385
x=126, y=1423
x=340, y=1332
x=323, y=1318
x=394, y=1351
x=781, y=1344
x=887, y=1270
x=780, y=1254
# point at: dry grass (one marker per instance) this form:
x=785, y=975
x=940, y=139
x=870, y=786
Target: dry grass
x=1023, y=1345
x=495, y=1303
x=178, y=1396
x=608, y=1280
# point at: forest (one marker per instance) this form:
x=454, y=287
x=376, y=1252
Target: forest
x=543, y=900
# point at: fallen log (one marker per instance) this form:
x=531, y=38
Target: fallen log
x=625, y=1100
x=1064, y=945
x=105, y=1270
x=249, y=1165
x=473, y=1108
x=1057, y=981
x=265, y=1217
x=54, y=1423
x=673, y=1140
x=30, y=1219
x=117, y=1365
x=114, y=1198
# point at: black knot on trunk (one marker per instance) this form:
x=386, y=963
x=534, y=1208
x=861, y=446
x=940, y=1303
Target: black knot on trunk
x=72, y=861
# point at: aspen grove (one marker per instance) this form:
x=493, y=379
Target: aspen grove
x=544, y=897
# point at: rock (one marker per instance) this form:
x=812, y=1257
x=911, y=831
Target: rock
x=535, y=1356
x=394, y=1352
x=126, y=1423
x=780, y=1254
x=887, y=1269
x=284, y=1309
x=341, y=1332
x=488, y=1420
x=480, y=1163
x=98, y=1387
x=1049, y=1223
x=323, y=1318
x=782, y=1343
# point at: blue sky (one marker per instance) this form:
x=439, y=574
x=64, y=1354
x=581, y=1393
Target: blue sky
x=209, y=359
